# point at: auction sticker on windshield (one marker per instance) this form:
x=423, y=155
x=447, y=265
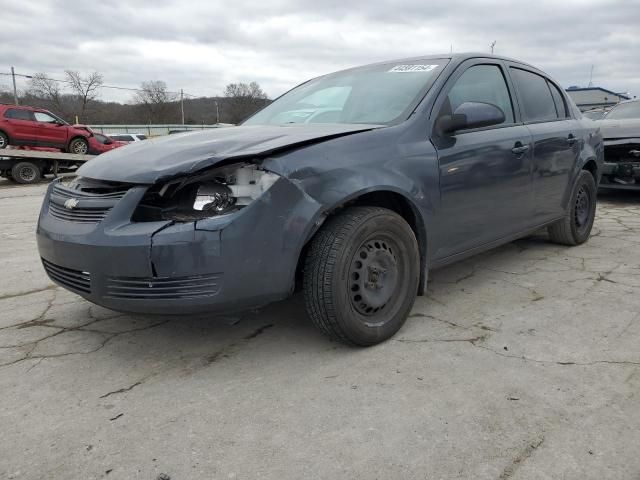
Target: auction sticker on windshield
x=412, y=68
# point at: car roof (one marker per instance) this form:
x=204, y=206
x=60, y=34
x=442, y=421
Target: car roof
x=124, y=133
x=454, y=57
x=22, y=107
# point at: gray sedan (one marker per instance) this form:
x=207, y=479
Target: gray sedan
x=350, y=187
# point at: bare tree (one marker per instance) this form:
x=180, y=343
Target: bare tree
x=48, y=89
x=155, y=100
x=85, y=89
x=243, y=100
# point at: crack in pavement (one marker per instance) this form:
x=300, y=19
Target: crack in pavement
x=519, y=459
x=28, y=292
x=122, y=390
x=109, y=336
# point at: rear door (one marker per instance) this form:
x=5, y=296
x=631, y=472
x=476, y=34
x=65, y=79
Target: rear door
x=485, y=173
x=50, y=132
x=22, y=126
x=556, y=137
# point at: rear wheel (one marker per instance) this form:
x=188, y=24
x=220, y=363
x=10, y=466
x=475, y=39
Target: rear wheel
x=4, y=140
x=79, y=146
x=26, y=172
x=361, y=275
x=575, y=227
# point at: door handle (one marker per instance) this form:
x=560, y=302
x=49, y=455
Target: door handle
x=571, y=139
x=519, y=148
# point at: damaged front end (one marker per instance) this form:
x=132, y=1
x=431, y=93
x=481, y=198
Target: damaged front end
x=622, y=163
x=191, y=243
x=219, y=191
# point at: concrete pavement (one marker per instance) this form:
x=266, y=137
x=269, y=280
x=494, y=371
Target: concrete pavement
x=522, y=363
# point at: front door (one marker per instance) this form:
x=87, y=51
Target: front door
x=50, y=132
x=486, y=190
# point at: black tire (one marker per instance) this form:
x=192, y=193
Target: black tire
x=79, y=146
x=361, y=275
x=26, y=173
x=4, y=140
x=575, y=227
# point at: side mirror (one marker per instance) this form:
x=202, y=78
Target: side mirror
x=470, y=115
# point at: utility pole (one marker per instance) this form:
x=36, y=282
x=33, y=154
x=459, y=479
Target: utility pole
x=15, y=90
x=217, y=112
x=591, y=77
x=182, y=104
x=493, y=44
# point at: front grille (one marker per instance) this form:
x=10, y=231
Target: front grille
x=164, y=288
x=75, y=280
x=117, y=193
x=79, y=215
x=85, y=201
x=623, y=152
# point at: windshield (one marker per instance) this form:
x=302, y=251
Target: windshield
x=625, y=110
x=378, y=94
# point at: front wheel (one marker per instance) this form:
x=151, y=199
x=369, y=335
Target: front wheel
x=361, y=275
x=79, y=146
x=576, y=225
x=4, y=140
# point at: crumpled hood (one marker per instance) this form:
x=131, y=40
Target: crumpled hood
x=623, y=128
x=159, y=158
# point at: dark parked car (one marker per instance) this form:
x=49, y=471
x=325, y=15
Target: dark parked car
x=21, y=125
x=352, y=186
x=621, y=132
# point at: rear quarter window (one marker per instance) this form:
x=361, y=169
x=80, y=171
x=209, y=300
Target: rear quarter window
x=558, y=98
x=536, y=98
x=18, y=114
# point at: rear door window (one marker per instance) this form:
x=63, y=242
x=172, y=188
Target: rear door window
x=483, y=84
x=536, y=98
x=19, y=114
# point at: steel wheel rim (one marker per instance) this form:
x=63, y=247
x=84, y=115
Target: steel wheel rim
x=2, y=142
x=582, y=210
x=28, y=174
x=373, y=277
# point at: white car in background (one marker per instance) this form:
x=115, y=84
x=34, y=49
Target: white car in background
x=127, y=137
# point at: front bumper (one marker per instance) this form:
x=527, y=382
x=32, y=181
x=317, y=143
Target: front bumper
x=621, y=169
x=230, y=263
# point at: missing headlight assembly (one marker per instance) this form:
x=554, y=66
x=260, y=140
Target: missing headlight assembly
x=221, y=191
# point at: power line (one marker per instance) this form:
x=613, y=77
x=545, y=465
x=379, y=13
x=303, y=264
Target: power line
x=113, y=87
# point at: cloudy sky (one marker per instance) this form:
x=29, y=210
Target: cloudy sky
x=201, y=46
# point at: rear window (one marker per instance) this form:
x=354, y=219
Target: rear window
x=537, y=102
x=122, y=138
x=142, y=137
x=18, y=114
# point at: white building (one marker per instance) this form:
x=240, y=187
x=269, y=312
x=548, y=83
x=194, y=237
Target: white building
x=595, y=97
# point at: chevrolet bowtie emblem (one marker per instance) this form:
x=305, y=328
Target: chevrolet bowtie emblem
x=71, y=203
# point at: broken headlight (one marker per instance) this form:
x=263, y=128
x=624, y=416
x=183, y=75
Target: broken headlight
x=218, y=192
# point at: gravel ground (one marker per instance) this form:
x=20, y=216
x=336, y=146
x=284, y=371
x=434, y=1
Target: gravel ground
x=522, y=363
